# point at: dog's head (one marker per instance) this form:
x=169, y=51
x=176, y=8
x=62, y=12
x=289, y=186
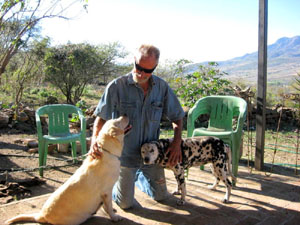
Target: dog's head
x=111, y=136
x=116, y=127
x=150, y=153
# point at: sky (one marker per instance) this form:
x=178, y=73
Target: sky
x=197, y=30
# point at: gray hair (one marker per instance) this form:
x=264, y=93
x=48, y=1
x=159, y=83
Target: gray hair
x=149, y=50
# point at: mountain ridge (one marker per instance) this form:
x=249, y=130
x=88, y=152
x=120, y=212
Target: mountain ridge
x=282, y=66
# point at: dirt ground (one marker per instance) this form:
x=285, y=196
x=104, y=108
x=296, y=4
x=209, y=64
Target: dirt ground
x=19, y=176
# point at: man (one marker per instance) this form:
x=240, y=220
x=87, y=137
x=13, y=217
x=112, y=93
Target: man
x=144, y=98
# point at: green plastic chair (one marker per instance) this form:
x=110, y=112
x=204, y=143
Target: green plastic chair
x=222, y=111
x=58, y=130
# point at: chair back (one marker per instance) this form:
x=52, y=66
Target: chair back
x=222, y=110
x=58, y=116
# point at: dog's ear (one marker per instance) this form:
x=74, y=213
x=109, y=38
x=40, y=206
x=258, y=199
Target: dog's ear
x=115, y=131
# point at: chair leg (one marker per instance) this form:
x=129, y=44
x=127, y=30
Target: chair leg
x=45, y=154
x=83, y=146
x=74, y=153
x=235, y=161
x=41, y=147
x=43, y=151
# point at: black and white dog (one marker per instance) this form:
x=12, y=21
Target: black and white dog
x=196, y=151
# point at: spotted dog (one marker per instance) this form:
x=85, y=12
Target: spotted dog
x=196, y=151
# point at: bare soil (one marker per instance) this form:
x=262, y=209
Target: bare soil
x=19, y=175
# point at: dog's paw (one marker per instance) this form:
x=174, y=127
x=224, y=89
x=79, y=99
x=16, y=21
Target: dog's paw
x=225, y=200
x=181, y=202
x=116, y=218
x=212, y=187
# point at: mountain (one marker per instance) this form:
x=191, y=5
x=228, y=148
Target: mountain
x=282, y=66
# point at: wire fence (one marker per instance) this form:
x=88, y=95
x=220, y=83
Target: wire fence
x=68, y=162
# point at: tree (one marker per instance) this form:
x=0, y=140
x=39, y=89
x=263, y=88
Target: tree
x=71, y=67
x=203, y=82
x=296, y=84
x=171, y=68
x=19, y=19
x=25, y=68
x=108, y=55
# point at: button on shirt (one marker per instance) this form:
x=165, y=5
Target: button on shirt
x=123, y=96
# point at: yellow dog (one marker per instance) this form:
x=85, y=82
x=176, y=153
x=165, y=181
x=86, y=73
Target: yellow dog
x=90, y=186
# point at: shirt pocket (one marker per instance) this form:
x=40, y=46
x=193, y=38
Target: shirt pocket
x=156, y=110
x=129, y=109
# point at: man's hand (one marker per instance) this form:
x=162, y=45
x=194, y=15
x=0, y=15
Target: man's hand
x=174, y=148
x=175, y=153
x=94, y=150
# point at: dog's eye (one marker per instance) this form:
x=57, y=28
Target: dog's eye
x=151, y=151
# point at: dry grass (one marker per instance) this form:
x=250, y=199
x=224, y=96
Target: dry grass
x=280, y=149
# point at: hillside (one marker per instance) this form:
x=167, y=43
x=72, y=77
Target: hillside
x=283, y=63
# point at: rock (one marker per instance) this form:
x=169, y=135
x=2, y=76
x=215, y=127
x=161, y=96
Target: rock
x=90, y=121
x=22, y=117
x=33, y=150
x=18, y=141
x=24, y=127
x=4, y=119
x=30, y=112
x=63, y=147
x=51, y=100
x=90, y=111
x=78, y=145
x=51, y=148
x=31, y=143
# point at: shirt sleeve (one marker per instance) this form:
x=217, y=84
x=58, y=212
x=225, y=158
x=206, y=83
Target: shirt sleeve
x=172, y=108
x=107, y=106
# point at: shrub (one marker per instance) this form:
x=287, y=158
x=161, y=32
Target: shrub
x=203, y=82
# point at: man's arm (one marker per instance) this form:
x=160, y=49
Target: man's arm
x=174, y=148
x=98, y=124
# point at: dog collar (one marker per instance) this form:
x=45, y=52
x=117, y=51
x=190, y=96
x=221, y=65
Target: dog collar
x=118, y=157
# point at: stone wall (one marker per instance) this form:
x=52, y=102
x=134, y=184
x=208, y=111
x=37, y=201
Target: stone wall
x=25, y=121
x=288, y=117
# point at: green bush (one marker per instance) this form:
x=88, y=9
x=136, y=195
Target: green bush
x=203, y=82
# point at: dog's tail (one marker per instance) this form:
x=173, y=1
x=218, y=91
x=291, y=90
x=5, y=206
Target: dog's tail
x=34, y=217
x=229, y=162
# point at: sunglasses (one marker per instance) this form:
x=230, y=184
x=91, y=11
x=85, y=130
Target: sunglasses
x=139, y=68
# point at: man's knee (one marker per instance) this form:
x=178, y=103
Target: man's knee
x=123, y=191
x=160, y=190
x=123, y=204
x=124, y=201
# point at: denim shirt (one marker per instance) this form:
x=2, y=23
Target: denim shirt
x=123, y=96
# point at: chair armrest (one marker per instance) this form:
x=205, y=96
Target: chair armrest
x=193, y=114
x=241, y=118
x=38, y=126
x=82, y=122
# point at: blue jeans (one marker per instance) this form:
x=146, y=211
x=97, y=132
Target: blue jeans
x=149, y=179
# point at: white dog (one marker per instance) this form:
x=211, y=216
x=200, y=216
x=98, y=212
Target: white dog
x=90, y=186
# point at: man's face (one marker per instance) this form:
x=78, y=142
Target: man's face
x=143, y=69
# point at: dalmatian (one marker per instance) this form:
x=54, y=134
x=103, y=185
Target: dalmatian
x=196, y=151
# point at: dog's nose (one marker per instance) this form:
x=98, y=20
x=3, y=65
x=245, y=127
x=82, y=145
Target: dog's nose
x=146, y=160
